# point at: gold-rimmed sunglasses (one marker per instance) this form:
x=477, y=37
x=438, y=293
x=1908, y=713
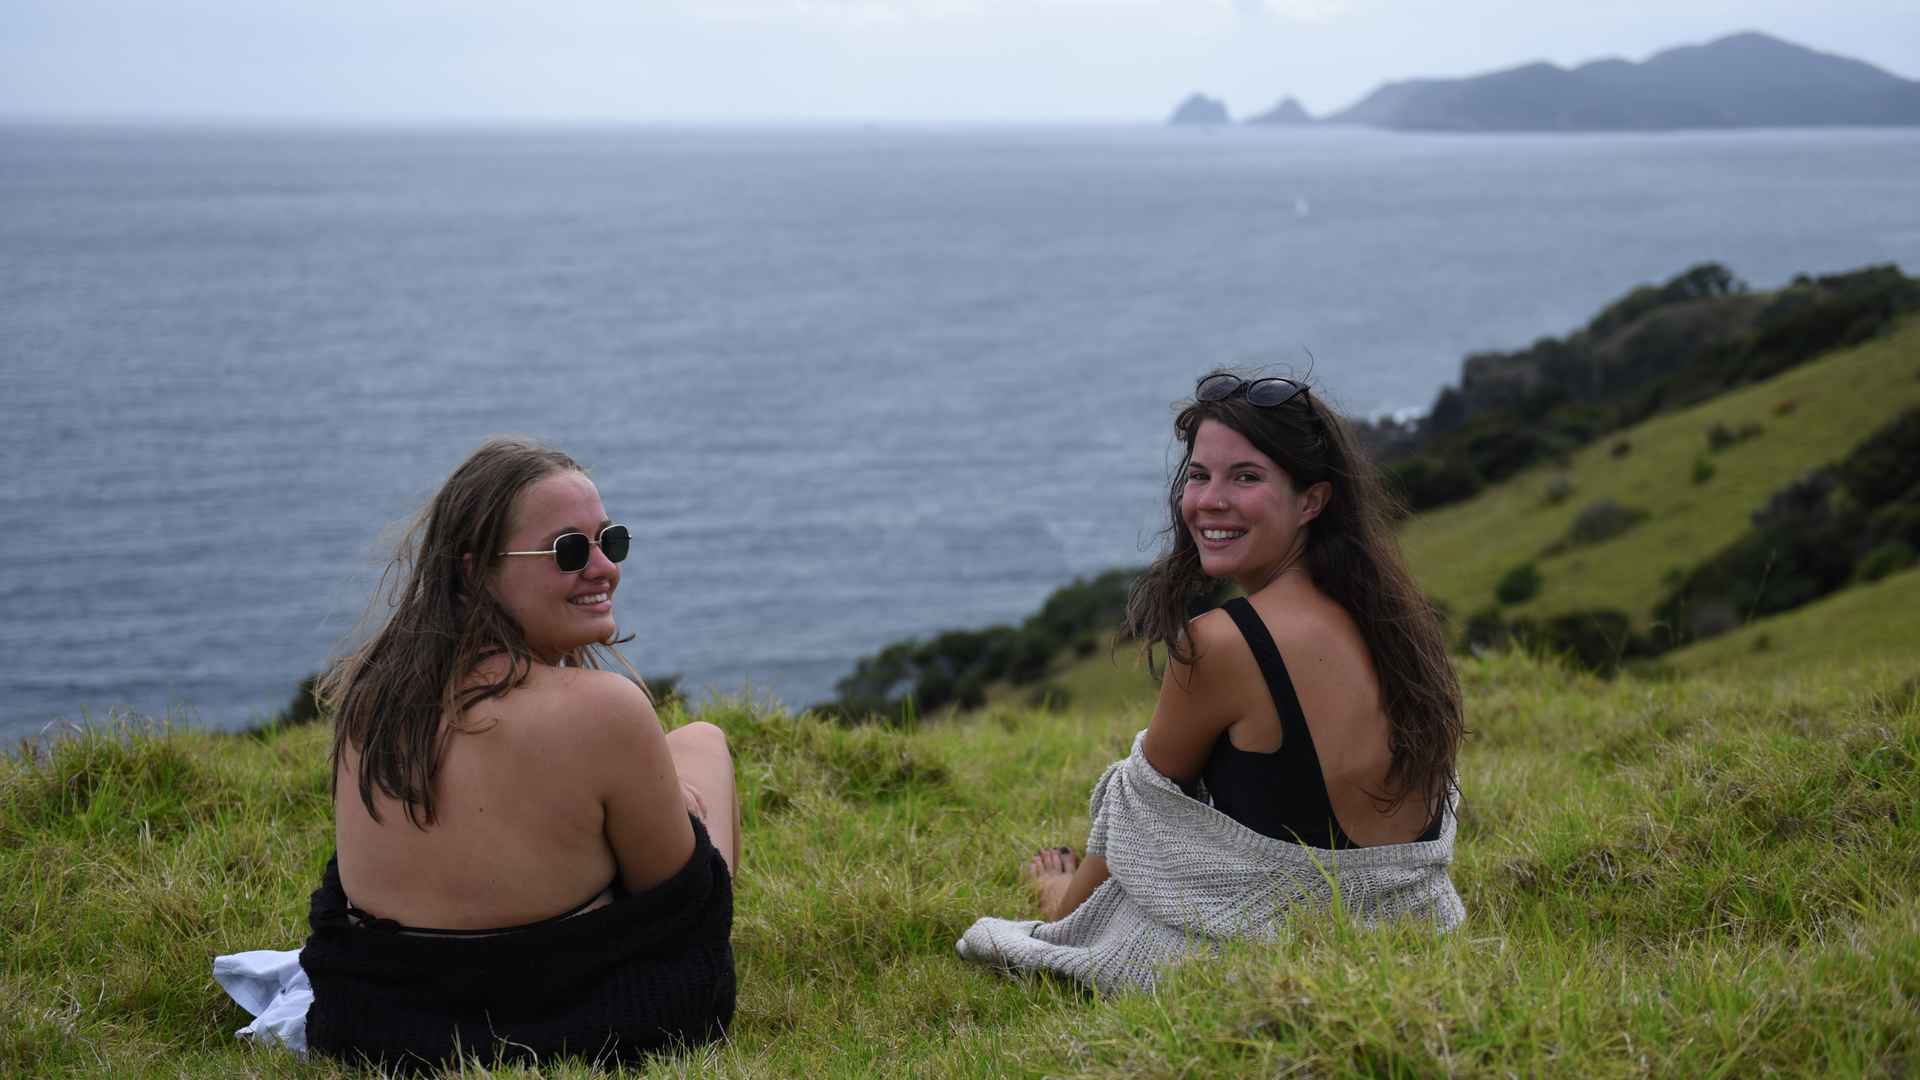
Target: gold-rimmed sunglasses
x=571, y=550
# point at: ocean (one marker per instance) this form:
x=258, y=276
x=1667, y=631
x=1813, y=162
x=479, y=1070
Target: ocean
x=847, y=385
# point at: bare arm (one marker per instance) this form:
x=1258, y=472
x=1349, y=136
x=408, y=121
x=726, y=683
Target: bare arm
x=646, y=808
x=1198, y=701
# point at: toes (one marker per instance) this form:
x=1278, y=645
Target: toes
x=1050, y=862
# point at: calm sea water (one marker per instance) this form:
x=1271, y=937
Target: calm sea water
x=847, y=385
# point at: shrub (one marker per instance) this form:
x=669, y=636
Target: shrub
x=1900, y=521
x=1892, y=556
x=1596, y=640
x=1886, y=466
x=1559, y=489
x=1720, y=436
x=1050, y=696
x=1427, y=481
x=305, y=706
x=1702, y=470
x=664, y=689
x=1601, y=521
x=1032, y=655
x=1519, y=585
x=933, y=690
x=970, y=691
x=1485, y=629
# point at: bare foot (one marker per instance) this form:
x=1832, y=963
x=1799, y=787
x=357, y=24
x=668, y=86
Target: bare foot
x=1048, y=874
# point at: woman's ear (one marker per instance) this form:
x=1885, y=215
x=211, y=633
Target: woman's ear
x=1314, y=499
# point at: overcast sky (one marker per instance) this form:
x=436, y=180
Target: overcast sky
x=833, y=60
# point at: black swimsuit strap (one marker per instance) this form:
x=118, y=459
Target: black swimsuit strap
x=1293, y=719
x=375, y=922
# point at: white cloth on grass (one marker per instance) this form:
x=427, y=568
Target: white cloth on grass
x=273, y=987
x=1185, y=875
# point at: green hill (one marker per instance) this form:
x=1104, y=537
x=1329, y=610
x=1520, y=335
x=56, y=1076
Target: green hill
x=1663, y=878
x=1805, y=417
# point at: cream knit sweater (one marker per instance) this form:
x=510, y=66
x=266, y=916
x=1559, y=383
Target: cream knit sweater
x=1185, y=875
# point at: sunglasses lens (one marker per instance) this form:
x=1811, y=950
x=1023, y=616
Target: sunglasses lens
x=1216, y=387
x=570, y=552
x=1270, y=392
x=614, y=541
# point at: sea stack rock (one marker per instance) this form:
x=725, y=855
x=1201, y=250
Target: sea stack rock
x=1200, y=111
x=1289, y=111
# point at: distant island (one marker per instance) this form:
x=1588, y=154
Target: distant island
x=1199, y=110
x=1289, y=111
x=1741, y=81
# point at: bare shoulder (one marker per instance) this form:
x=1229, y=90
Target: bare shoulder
x=582, y=714
x=1216, y=638
x=1333, y=677
x=601, y=687
x=604, y=698
x=1318, y=633
x=1222, y=661
x=1200, y=700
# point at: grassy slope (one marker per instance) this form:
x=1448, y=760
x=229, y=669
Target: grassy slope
x=1878, y=623
x=1663, y=878
x=1459, y=552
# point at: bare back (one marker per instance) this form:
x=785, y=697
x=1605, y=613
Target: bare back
x=545, y=796
x=1333, y=676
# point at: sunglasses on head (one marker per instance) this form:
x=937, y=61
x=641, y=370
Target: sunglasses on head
x=1265, y=393
x=571, y=551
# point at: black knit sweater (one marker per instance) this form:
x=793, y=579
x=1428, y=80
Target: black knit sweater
x=651, y=970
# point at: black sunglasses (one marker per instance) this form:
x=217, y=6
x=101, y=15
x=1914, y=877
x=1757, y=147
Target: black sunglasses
x=1265, y=393
x=571, y=551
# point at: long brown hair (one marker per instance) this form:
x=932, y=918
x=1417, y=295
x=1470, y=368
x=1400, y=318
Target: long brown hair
x=390, y=693
x=1351, y=556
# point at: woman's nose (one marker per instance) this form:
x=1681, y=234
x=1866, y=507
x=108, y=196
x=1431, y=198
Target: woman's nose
x=598, y=565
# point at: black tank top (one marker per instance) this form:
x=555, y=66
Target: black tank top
x=1282, y=794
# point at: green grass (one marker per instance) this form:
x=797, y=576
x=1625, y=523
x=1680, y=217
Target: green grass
x=1459, y=553
x=1681, y=876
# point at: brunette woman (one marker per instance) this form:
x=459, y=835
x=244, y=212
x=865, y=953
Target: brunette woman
x=1306, y=729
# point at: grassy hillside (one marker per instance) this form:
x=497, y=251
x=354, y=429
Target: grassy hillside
x=1866, y=624
x=1681, y=877
x=1805, y=417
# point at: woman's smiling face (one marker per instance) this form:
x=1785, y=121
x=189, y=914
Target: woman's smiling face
x=1241, y=508
x=556, y=610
